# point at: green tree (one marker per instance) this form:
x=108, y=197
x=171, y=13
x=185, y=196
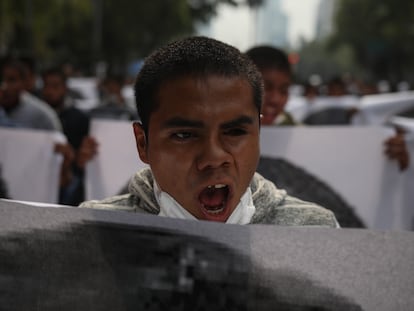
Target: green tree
x=131, y=29
x=50, y=31
x=86, y=31
x=317, y=59
x=381, y=35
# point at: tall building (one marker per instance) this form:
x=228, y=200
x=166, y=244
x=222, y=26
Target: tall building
x=271, y=24
x=325, y=18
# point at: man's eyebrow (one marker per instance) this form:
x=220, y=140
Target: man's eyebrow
x=242, y=120
x=181, y=122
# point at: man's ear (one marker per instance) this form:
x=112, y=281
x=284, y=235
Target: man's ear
x=141, y=142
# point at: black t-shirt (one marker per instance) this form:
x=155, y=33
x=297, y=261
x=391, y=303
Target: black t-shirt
x=75, y=125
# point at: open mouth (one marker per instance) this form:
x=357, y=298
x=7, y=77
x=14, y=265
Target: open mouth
x=214, y=198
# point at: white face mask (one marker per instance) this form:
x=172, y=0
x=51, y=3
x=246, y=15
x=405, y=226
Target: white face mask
x=169, y=207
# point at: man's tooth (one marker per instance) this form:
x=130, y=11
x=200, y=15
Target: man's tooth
x=219, y=186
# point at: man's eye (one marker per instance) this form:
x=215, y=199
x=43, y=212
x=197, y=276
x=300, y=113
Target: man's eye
x=236, y=132
x=182, y=135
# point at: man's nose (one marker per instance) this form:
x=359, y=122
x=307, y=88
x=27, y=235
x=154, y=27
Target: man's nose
x=213, y=154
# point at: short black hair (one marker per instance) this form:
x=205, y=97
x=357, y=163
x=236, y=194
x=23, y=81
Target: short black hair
x=193, y=56
x=54, y=71
x=16, y=64
x=269, y=57
x=29, y=62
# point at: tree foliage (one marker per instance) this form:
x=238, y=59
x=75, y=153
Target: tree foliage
x=317, y=59
x=86, y=31
x=381, y=35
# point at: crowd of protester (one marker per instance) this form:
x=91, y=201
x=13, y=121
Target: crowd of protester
x=43, y=100
x=30, y=98
x=201, y=104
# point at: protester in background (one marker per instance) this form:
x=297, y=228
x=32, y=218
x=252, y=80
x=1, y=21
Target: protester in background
x=22, y=108
x=113, y=104
x=276, y=71
x=367, y=87
x=199, y=101
x=81, y=148
x=310, y=91
x=54, y=93
x=275, y=68
x=336, y=87
x=335, y=114
x=3, y=186
x=4, y=119
x=396, y=148
x=31, y=83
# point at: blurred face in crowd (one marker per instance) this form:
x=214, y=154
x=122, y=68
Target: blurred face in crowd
x=30, y=83
x=12, y=85
x=112, y=87
x=54, y=90
x=336, y=89
x=203, y=143
x=276, y=87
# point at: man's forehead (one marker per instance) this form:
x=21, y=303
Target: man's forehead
x=187, y=91
x=275, y=71
x=213, y=94
x=195, y=85
x=53, y=78
x=10, y=70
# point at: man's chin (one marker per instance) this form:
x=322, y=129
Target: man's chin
x=8, y=104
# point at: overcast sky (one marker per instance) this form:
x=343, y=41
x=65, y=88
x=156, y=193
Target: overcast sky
x=235, y=25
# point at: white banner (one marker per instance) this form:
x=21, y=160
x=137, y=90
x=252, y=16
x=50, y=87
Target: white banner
x=181, y=262
x=377, y=109
x=300, y=107
x=117, y=159
x=30, y=167
x=351, y=160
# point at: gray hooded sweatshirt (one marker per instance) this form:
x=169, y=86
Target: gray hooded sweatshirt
x=273, y=206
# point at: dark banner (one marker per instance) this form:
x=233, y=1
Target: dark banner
x=83, y=259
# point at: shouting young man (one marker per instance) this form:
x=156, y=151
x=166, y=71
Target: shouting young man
x=199, y=101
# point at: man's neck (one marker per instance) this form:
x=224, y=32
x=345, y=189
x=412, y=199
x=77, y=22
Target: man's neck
x=58, y=106
x=11, y=107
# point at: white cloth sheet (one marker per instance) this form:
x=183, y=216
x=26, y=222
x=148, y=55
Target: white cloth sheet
x=117, y=159
x=351, y=160
x=29, y=164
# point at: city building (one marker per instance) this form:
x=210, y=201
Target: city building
x=272, y=24
x=325, y=18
